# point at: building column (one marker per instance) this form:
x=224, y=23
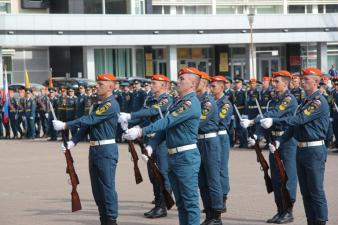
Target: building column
x=133, y=62
x=285, y=7
x=172, y=56
x=322, y=56
x=89, y=63
x=252, y=62
x=213, y=7
x=1, y=69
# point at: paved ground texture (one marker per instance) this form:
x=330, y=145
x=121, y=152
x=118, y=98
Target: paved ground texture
x=34, y=188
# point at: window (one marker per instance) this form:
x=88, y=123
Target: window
x=116, y=7
x=190, y=9
x=166, y=9
x=269, y=9
x=225, y=10
x=157, y=9
x=296, y=8
x=92, y=6
x=5, y=7
x=332, y=55
x=309, y=9
x=308, y=54
x=179, y=9
x=331, y=8
x=116, y=61
x=320, y=8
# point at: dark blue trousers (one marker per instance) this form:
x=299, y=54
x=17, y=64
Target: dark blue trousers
x=102, y=168
x=225, y=152
x=209, y=180
x=311, y=167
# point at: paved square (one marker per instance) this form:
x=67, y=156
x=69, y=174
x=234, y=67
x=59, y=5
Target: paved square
x=34, y=188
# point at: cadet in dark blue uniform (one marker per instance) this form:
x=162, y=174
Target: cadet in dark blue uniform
x=81, y=101
x=138, y=96
x=13, y=113
x=296, y=90
x=309, y=127
x=208, y=143
x=252, y=109
x=334, y=110
x=225, y=111
x=30, y=112
x=153, y=111
x=71, y=109
x=180, y=125
x=283, y=105
x=54, y=100
x=103, y=152
x=241, y=104
x=265, y=94
x=124, y=99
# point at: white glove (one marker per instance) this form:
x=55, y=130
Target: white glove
x=31, y=117
x=245, y=123
x=124, y=125
x=132, y=133
x=46, y=115
x=252, y=141
x=70, y=145
x=233, y=117
x=331, y=119
x=266, y=123
x=59, y=125
x=23, y=118
x=124, y=117
x=149, y=151
x=273, y=148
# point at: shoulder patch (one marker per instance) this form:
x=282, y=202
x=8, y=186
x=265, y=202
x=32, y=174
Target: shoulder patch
x=206, y=106
x=183, y=107
x=313, y=106
x=103, y=108
x=286, y=101
x=224, y=110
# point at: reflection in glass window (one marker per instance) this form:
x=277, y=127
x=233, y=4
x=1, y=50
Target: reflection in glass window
x=320, y=8
x=157, y=9
x=269, y=9
x=116, y=7
x=308, y=56
x=92, y=6
x=5, y=7
x=225, y=10
x=116, y=61
x=331, y=8
x=296, y=8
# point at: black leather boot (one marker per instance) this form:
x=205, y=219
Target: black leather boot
x=110, y=221
x=224, y=204
x=274, y=218
x=216, y=217
x=285, y=217
x=103, y=221
x=320, y=223
x=310, y=222
x=208, y=216
x=146, y=214
x=157, y=213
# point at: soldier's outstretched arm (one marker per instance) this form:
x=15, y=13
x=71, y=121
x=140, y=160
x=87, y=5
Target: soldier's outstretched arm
x=80, y=135
x=153, y=110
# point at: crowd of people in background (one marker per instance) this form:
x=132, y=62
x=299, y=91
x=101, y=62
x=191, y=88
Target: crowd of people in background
x=30, y=113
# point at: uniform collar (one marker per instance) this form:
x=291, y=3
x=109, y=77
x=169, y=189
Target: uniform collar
x=313, y=95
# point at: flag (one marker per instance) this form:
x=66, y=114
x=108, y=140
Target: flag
x=5, y=99
x=27, y=83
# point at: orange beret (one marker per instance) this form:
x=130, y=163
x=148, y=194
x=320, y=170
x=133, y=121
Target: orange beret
x=218, y=78
x=106, y=77
x=312, y=71
x=205, y=76
x=266, y=79
x=189, y=70
x=282, y=73
x=160, y=77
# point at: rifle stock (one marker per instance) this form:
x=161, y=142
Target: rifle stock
x=283, y=179
x=264, y=167
x=76, y=203
x=137, y=172
x=151, y=162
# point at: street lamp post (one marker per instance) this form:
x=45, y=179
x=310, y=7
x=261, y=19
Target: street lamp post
x=251, y=17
